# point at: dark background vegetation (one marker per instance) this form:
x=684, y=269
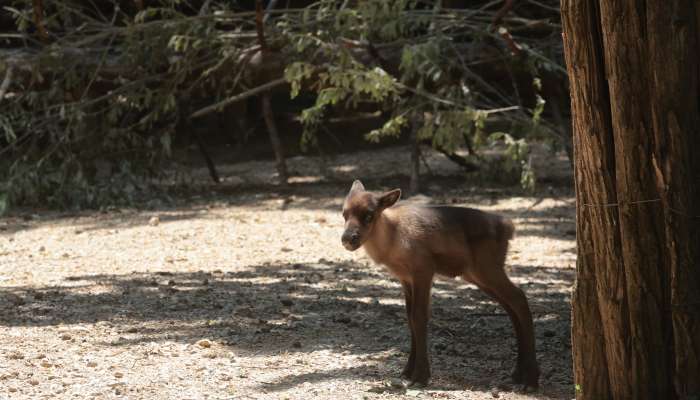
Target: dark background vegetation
x=103, y=102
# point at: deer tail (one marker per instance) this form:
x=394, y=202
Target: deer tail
x=506, y=229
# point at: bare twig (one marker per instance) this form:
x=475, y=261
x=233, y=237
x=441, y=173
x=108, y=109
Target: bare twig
x=38, y=8
x=6, y=82
x=266, y=102
x=269, y=115
x=507, y=6
x=205, y=8
x=260, y=28
x=270, y=6
x=242, y=96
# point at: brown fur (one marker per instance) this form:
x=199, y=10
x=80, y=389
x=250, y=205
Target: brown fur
x=417, y=242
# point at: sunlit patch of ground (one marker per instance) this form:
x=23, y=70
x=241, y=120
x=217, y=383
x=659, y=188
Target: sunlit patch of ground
x=250, y=295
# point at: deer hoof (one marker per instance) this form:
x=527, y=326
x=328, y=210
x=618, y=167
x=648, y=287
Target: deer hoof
x=526, y=376
x=398, y=383
x=526, y=389
x=420, y=379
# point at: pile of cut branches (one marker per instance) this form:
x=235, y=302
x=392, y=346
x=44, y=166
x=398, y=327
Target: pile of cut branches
x=93, y=97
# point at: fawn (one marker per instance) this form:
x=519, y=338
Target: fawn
x=417, y=242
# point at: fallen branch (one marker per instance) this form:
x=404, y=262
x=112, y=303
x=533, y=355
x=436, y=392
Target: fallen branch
x=6, y=82
x=507, y=6
x=38, y=9
x=239, y=97
x=266, y=102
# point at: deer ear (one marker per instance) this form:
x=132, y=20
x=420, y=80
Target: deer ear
x=357, y=186
x=388, y=199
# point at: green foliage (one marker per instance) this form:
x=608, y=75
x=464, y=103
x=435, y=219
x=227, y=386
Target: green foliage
x=93, y=115
x=97, y=111
x=349, y=83
x=391, y=128
x=434, y=89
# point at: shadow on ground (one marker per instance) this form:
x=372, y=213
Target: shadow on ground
x=348, y=307
x=550, y=222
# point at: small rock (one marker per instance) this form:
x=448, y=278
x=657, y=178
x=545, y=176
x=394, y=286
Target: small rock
x=494, y=393
x=343, y=319
x=12, y=389
x=286, y=249
x=171, y=283
x=65, y=255
x=204, y=343
x=397, y=383
x=118, y=374
x=33, y=381
x=211, y=354
x=154, y=221
x=549, y=333
x=45, y=364
x=15, y=299
x=217, y=271
x=286, y=302
x=16, y=356
x=42, y=249
x=92, y=364
x=133, y=329
x=296, y=344
x=65, y=336
x=413, y=392
x=235, y=180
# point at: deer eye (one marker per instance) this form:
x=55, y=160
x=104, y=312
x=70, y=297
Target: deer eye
x=368, y=218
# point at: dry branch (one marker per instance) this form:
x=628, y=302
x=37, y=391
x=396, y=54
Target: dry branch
x=38, y=8
x=239, y=97
x=6, y=81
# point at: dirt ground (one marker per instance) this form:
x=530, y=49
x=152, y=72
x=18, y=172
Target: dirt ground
x=245, y=292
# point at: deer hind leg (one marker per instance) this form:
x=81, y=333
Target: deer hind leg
x=519, y=374
x=490, y=277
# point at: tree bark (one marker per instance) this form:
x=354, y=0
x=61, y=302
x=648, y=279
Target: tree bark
x=274, y=138
x=414, y=184
x=633, y=68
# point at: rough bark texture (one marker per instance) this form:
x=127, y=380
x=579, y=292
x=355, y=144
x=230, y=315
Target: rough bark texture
x=269, y=115
x=633, y=67
x=414, y=185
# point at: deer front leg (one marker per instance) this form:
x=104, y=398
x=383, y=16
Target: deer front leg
x=420, y=313
x=408, y=294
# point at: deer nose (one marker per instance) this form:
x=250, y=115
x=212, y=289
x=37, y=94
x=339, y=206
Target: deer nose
x=351, y=237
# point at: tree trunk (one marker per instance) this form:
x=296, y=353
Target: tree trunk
x=414, y=185
x=633, y=68
x=274, y=138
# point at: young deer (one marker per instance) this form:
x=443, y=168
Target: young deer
x=417, y=242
